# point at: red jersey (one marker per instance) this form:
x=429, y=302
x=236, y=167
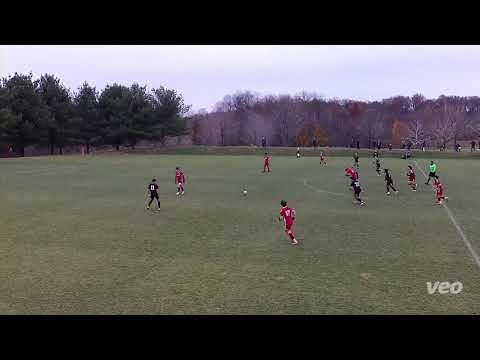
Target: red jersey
x=179, y=177
x=439, y=188
x=288, y=215
x=266, y=160
x=411, y=175
x=322, y=157
x=352, y=173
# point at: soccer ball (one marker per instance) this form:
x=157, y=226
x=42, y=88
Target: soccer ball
x=244, y=192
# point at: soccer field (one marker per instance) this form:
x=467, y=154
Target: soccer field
x=75, y=237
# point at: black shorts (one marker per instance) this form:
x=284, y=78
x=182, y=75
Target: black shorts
x=153, y=195
x=431, y=174
x=358, y=191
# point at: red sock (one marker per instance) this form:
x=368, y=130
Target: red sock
x=292, y=237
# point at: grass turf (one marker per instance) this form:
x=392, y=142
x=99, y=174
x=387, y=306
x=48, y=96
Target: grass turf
x=75, y=238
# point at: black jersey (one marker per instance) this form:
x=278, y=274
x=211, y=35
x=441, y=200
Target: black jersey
x=153, y=187
x=356, y=159
x=388, y=179
x=356, y=186
x=378, y=164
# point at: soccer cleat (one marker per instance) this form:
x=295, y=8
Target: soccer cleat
x=362, y=203
x=178, y=193
x=294, y=242
x=158, y=209
x=388, y=193
x=148, y=207
x=183, y=192
x=396, y=191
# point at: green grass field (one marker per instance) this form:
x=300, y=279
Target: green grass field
x=75, y=237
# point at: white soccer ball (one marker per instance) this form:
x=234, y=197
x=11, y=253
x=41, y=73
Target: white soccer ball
x=244, y=192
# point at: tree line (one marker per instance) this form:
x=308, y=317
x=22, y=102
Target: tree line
x=44, y=112
x=307, y=119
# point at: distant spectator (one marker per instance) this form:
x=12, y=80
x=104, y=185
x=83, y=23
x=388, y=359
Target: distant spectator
x=473, y=146
x=358, y=144
x=423, y=146
x=264, y=142
x=390, y=147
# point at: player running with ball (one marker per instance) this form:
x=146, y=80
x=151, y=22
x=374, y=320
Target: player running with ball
x=180, y=181
x=356, y=193
x=288, y=216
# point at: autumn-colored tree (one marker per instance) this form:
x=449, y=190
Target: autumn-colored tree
x=399, y=131
x=321, y=136
x=303, y=137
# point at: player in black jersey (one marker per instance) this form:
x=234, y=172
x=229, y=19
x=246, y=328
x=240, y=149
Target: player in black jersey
x=153, y=192
x=355, y=160
x=389, y=182
x=356, y=192
x=377, y=164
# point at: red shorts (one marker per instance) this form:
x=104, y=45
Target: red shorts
x=288, y=226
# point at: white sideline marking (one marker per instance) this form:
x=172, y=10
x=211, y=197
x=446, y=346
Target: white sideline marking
x=454, y=222
x=324, y=191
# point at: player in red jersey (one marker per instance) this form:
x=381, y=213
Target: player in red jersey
x=266, y=162
x=353, y=174
x=439, y=191
x=412, y=180
x=180, y=181
x=287, y=214
x=323, y=161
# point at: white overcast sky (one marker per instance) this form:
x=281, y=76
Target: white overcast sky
x=204, y=74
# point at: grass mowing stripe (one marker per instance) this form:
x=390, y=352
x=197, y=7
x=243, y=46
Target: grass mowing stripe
x=454, y=222
x=322, y=191
x=325, y=191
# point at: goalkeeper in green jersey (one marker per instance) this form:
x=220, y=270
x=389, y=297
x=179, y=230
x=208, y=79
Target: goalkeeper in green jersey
x=433, y=172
